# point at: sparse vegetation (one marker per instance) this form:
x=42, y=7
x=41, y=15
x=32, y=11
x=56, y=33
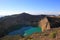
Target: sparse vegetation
x=44, y=34
x=15, y=37
x=52, y=34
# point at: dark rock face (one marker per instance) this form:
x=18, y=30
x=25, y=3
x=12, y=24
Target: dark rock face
x=54, y=22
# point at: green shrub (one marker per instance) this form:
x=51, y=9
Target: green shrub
x=44, y=34
x=52, y=34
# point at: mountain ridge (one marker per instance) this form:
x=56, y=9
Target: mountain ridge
x=10, y=23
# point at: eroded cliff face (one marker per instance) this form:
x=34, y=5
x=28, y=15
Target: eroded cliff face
x=44, y=24
x=49, y=22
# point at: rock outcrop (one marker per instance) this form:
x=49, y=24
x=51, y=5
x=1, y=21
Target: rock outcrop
x=44, y=24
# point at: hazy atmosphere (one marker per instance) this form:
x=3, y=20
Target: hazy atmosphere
x=9, y=7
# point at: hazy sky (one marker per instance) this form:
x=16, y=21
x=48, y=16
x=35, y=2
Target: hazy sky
x=8, y=7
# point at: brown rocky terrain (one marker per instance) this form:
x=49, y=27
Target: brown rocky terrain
x=44, y=24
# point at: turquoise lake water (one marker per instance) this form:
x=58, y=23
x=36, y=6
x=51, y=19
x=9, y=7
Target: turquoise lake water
x=25, y=30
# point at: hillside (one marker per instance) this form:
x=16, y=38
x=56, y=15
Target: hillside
x=14, y=22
